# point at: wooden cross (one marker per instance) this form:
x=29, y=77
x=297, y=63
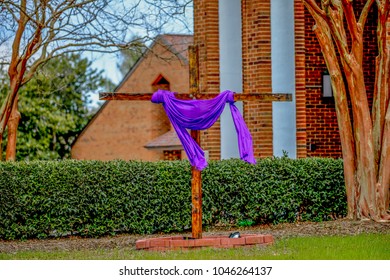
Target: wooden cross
x=196, y=181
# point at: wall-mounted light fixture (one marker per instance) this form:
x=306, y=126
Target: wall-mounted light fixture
x=326, y=85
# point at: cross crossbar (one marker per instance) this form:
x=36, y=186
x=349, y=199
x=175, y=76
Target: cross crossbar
x=196, y=181
x=188, y=96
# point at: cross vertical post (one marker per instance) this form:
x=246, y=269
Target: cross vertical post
x=196, y=179
x=194, y=93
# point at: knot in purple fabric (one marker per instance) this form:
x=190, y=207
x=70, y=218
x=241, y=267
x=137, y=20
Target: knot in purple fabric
x=158, y=96
x=199, y=115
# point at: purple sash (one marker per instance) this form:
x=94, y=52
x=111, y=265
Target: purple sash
x=199, y=115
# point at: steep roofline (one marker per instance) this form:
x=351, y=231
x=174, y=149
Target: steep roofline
x=132, y=69
x=165, y=43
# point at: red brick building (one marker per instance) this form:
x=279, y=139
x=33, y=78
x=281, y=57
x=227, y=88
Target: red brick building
x=246, y=46
x=139, y=130
x=279, y=53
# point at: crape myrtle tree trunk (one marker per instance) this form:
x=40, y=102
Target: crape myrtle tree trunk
x=364, y=132
x=34, y=31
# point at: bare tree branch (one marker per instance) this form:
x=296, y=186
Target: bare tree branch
x=22, y=21
x=368, y=182
x=102, y=23
x=334, y=19
x=42, y=29
x=381, y=90
x=366, y=9
x=343, y=115
x=353, y=28
x=312, y=6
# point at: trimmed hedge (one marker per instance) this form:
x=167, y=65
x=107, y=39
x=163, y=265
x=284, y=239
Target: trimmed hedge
x=40, y=199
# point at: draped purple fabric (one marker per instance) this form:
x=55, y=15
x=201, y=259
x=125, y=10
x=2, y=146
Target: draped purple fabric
x=199, y=115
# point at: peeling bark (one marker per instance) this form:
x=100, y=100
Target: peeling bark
x=41, y=30
x=12, y=125
x=7, y=112
x=342, y=112
x=365, y=135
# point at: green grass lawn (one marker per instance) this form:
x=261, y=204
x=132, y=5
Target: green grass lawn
x=359, y=247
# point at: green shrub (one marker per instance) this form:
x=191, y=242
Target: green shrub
x=40, y=199
x=274, y=191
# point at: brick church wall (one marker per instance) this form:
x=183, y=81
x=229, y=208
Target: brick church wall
x=256, y=48
x=322, y=134
x=321, y=123
x=121, y=129
x=317, y=129
x=206, y=36
x=256, y=69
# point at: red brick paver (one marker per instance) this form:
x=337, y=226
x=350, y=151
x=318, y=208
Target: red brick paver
x=177, y=242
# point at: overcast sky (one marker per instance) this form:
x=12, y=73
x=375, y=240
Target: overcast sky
x=108, y=62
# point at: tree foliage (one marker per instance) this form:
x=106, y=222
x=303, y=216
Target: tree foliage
x=54, y=107
x=37, y=31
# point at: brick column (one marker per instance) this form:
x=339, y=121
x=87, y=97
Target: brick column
x=300, y=77
x=256, y=49
x=206, y=36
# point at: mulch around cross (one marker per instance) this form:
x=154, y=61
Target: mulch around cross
x=340, y=227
